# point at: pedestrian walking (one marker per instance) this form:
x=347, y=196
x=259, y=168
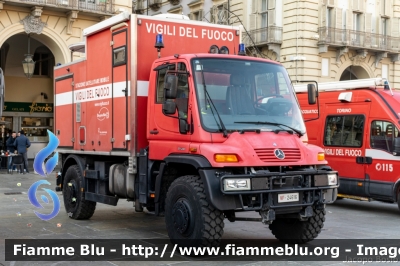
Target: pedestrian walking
x=10, y=148
x=22, y=144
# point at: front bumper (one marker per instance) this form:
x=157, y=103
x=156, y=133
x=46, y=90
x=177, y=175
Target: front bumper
x=265, y=188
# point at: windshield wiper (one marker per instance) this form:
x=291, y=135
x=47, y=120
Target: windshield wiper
x=208, y=97
x=298, y=132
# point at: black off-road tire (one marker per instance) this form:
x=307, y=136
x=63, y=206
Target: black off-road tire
x=398, y=198
x=190, y=219
x=294, y=231
x=75, y=205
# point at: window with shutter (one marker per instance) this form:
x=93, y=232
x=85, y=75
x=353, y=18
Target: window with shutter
x=367, y=29
x=355, y=5
x=271, y=13
x=339, y=34
x=368, y=22
x=255, y=6
x=323, y=17
x=349, y=20
x=361, y=5
x=263, y=14
x=395, y=27
x=271, y=4
x=395, y=33
x=388, y=7
x=200, y=15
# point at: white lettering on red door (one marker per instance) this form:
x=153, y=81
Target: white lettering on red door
x=343, y=152
x=385, y=167
x=344, y=110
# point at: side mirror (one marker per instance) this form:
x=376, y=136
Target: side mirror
x=169, y=107
x=171, y=86
x=312, y=94
x=183, y=126
x=396, y=147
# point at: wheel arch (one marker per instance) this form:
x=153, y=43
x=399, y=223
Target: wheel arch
x=172, y=167
x=175, y=166
x=396, y=190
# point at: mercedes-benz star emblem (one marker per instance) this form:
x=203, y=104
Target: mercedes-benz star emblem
x=279, y=154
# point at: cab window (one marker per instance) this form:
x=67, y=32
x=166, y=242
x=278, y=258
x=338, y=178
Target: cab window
x=160, y=81
x=382, y=135
x=182, y=97
x=344, y=131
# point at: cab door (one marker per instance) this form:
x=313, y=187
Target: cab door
x=345, y=135
x=384, y=167
x=165, y=136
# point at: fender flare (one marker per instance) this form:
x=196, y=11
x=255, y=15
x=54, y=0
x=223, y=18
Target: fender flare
x=71, y=159
x=197, y=161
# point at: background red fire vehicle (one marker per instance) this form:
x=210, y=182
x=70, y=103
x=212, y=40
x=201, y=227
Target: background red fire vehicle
x=358, y=126
x=194, y=136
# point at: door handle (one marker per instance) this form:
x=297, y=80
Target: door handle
x=154, y=132
x=364, y=160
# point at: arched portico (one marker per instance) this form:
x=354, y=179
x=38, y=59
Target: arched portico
x=48, y=37
x=353, y=69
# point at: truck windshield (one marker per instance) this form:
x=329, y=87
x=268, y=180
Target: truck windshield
x=246, y=94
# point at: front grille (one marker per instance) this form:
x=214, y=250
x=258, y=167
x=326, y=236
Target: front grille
x=267, y=155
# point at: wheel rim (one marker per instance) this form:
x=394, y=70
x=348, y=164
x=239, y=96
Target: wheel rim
x=71, y=194
x=181, y=213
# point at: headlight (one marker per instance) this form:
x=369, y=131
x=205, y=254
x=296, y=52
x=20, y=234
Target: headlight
x=332, y=179
x=236, y=184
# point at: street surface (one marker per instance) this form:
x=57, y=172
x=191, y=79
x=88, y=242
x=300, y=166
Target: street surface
x=346, y=219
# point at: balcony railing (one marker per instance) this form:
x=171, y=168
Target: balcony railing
x=358, y=39
x=100, y=6
x=263, y=36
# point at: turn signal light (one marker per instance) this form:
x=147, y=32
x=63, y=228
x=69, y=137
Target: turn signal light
x=321, y=156
x=226, y=158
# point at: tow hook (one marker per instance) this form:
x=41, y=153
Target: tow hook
x=306, y=213
x=268, y=216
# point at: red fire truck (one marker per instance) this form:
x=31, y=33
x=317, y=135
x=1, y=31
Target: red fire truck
x=358, y=127
x=194, y=136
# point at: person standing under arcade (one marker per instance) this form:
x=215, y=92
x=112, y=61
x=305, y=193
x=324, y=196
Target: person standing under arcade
x=22, y=144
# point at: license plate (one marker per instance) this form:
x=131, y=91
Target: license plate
x=288, y=197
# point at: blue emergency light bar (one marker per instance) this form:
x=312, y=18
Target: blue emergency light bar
x=159, y=41
x=242, y=49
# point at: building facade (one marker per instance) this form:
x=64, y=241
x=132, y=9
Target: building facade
x=323, y=40
x=45, y=29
